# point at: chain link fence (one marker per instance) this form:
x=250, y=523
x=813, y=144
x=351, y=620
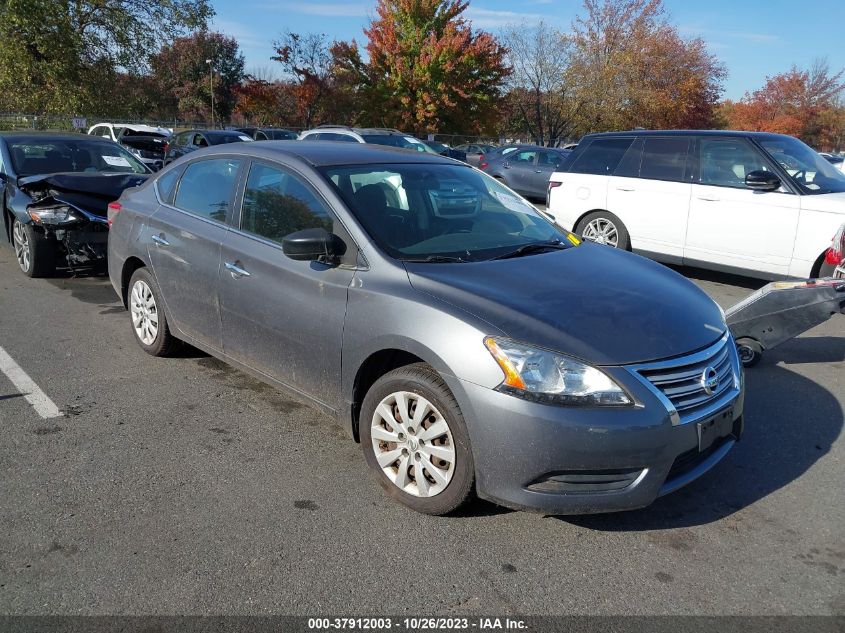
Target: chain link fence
x=10, y=121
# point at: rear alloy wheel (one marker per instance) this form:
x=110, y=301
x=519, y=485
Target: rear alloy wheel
x=415, y=439
x=149, y=323
x=35, y=253
x=605, y=228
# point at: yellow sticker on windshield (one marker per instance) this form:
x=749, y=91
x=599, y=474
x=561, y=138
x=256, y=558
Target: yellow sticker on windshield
x=575, y=241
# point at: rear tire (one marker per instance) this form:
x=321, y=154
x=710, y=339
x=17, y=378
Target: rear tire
x=423, y=459
x=146, y=314
x=35, y=252
x=603, y=227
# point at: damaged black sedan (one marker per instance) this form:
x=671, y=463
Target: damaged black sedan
x=56, y=189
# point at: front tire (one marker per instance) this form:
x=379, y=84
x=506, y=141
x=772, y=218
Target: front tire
x=416, y=442
x=603, y=227
x=35, y=253
x=146, y=311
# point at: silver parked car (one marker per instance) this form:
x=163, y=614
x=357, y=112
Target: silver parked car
x=466, y=342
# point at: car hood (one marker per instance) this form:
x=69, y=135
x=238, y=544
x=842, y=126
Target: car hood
x=90, y=191
x=827, y=202
x=592, y=302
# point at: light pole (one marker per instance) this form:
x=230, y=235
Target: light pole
x=211, y=87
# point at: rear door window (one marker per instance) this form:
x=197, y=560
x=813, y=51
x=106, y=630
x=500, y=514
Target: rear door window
x=601, y=156
x=207, y=188
x=528, y=157
x=664, y=158
x=549, y=159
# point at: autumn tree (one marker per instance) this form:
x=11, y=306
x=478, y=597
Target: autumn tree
x=56, y=55
x=266, y=103
x=634, y=69
x=429, y=68
x=307, y=61
x=799, y=102
x=184, y=76
x=540, y=98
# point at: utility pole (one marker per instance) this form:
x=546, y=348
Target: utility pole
x=211, y=87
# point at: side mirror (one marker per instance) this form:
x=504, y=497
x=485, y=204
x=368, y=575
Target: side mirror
x=313, y=245
x=760, y=180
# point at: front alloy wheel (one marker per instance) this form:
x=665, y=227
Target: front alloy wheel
x=35, y=252
x=21, y=240
x=413, y=444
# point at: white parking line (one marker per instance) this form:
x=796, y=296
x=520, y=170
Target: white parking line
x=45, y=407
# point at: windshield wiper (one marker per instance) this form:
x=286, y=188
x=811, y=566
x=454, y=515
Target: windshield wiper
x=533, y=247
x=435, y=259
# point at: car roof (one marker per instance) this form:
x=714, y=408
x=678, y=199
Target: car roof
x=724, y=133
x=325, y=153
x=370, y=131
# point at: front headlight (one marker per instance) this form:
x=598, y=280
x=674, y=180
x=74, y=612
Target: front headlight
x=61, y=214
x=543, y=376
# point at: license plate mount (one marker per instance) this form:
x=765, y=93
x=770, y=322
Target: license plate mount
x=714, y=428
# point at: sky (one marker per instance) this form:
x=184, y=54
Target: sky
x=753, y=38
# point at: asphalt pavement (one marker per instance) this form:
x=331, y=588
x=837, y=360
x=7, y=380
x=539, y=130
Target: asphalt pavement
x=181, y=486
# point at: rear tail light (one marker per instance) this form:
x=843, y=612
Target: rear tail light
x=836, y=253
x=483, y=164
x=167, y=147
x=553, y=184
x=114, y=209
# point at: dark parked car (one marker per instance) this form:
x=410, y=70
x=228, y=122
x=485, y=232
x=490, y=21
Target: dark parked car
x=187, y=142
x=445, y=150
x=268, y=133
x=467, y=342
x=475, y=152
x=55, y=189
x=526, y=169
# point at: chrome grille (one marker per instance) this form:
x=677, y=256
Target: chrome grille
x=680, y=380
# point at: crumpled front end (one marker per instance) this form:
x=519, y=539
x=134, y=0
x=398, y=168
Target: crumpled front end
x=81, y=234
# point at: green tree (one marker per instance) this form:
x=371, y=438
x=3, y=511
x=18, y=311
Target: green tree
x=185, y=71
x=57, y=55
x=430, y=70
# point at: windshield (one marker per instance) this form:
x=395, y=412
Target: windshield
x=416, y=211
x=396, y=140
x=31, y=157
x=811, y=173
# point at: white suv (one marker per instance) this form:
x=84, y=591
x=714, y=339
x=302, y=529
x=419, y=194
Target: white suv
x=758, y=204
x=376, y=135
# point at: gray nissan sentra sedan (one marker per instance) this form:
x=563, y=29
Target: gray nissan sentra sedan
x=467, y=343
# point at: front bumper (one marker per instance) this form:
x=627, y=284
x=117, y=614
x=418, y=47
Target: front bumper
x=567, y=460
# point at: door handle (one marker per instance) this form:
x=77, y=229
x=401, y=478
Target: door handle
x=236, y=270
x=706, y=199
x=538, y=171
x=624, y=188
x=160, y=241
